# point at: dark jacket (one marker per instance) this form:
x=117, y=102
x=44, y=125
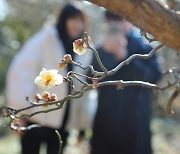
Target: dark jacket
x=122, y=121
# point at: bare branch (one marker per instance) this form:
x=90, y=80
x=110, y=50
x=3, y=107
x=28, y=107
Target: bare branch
x=169, y=110
x=85, y=39
x=130, y=59
x=135, y=56
x=97, y=77
x=122, y=84
x=165, y=26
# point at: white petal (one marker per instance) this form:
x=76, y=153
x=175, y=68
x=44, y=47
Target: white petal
x=59, y=79
x=37, y=80
x=80, y=52
x=42, y=72
x=53, y=71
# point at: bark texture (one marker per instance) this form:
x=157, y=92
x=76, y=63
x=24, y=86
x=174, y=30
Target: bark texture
x=148, y=15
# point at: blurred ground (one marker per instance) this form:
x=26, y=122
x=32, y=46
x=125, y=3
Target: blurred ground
x=166, y=139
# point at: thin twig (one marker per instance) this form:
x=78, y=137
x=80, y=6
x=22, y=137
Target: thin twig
x=85, y=38
x=60, y=141
x=135, y=56
x=85, y=76
x=122, y=84
x=143, y=33
x=78, y=79
x=169, y=110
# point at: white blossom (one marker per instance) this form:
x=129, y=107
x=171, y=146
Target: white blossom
x=79, y=47
x=48, y=79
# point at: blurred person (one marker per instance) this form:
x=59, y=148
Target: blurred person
x=122, y=121
x=45, y=50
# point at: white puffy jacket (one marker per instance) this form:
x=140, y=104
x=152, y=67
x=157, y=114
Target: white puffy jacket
x=44, y=50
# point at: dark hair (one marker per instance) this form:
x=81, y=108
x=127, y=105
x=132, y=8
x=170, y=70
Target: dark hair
x=111, y=16
x=69, y=11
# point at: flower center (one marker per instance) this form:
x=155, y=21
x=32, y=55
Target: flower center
x=48, y=79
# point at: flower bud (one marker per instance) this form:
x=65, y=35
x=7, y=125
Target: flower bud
x=37, y=97
x=46, y=96
x=54, y=97
x=79, y=47
x=68, y=58
x=62, y=64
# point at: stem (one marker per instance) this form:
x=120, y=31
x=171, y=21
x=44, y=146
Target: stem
x=85, y=38
x=169, y=110
x=60, y=141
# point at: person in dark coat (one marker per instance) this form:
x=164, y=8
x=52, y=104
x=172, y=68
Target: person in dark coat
x=122, y=121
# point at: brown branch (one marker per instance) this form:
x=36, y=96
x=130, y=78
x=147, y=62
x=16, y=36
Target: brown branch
x=125, y=62
x=170, y=84
x=70, y=75
x=13, y=113
x=148, y=15
x=175, y=94
x=119, y=83
x=75, y=95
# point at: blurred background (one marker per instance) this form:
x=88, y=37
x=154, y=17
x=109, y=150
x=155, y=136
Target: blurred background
x=20, y=19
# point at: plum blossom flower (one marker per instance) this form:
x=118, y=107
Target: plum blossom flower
x=48, y=79
x=79, y=47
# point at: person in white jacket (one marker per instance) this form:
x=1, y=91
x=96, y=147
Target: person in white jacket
x=45, y=50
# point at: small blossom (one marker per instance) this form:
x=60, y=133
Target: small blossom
x=46, y=96
x=54, y=97
x=68, y=58
x=62, y=64
x=37, y=97
x=48, y=79
x=79, y=47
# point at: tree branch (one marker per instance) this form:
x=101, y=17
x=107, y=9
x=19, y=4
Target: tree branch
x=150, y=16
x=175, y=94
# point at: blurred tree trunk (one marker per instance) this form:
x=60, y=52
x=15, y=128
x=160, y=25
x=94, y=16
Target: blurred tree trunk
x=150, y=16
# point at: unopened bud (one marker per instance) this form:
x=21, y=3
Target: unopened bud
x=79, y=47
x=62, y=64
x=46, y=96
x=37, y=97
x=68, y=58
x=54, y=97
